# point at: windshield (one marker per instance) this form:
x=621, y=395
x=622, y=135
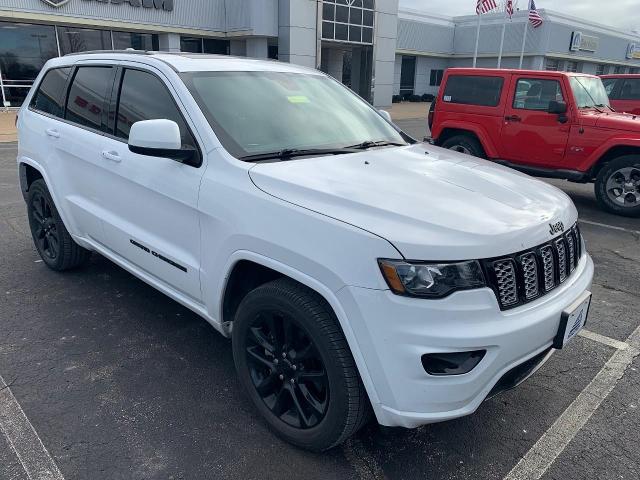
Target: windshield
x=256, y=113
x=589, y=92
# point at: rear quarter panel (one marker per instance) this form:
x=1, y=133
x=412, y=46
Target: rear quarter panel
x=485, y=122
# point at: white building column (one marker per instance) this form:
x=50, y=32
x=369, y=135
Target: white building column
x=385, y=51
x=169, y=42
x=297, y=32
x=238, y=48
x=257, y=47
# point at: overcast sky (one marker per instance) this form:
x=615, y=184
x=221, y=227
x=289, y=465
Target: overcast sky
x=617, y=13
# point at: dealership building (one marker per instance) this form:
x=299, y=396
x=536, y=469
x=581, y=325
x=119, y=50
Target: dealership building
x=370, y=45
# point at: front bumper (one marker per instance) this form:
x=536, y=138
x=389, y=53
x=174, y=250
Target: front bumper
x=393, y=332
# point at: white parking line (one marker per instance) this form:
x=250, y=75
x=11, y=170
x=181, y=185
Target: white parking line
x=24, y=440
x=612, y=227
x=596, y=337
x=541, y=456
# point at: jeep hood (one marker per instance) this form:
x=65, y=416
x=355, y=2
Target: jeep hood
x=430, y=203
x=619, y=121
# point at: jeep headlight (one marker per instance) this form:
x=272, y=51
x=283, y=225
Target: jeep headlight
x=432, y=280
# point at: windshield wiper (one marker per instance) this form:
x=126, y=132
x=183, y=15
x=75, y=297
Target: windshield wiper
x=380, y=143
x=287, y=153
x=602, y=105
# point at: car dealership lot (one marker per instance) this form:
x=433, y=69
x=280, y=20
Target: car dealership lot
x=118, y=381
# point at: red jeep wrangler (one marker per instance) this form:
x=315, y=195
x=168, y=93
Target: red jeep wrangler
x=548, y=124
x=624, y=92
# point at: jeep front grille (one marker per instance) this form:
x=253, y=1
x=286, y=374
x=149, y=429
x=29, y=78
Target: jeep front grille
x=522, y=277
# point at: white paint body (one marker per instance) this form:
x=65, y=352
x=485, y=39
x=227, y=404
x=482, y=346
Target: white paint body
x=324, y=222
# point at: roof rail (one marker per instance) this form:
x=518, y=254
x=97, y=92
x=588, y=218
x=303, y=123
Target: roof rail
x=128, y=51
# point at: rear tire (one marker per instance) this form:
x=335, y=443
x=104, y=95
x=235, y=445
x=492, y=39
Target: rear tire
x=464, y=144
x=51, y=238
x=294, y=363
x=617, y=186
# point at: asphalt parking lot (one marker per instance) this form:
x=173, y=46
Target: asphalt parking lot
x=117, y=381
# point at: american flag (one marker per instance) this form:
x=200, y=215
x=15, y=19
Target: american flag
x=534, y=16
x=484, y=6
x=509, y=8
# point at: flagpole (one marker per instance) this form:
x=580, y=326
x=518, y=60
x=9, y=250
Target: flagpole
x=504, y=26
x=524, y=41
x=475, y=52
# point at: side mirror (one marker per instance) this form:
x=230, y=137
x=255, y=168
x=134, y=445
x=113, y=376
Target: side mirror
x=386, y=115
x=557, y=108
x=158, y=138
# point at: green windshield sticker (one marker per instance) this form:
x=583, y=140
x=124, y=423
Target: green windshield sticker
x=298, y=99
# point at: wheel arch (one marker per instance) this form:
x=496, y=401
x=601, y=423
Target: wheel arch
x=611, y=153
x=30, y=171
x=28, y=174
x=447, y=131
x=268, y=269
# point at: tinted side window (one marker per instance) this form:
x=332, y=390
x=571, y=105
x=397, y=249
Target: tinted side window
x=50, y=95
x=609, y=86
x=144, y=97
x=87, y=96
x=630, y=89
x=473, y=90
x=535, y=93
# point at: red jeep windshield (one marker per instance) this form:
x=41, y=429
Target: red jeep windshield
x=589, y=92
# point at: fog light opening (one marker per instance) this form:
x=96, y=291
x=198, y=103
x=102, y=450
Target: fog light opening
x=456, y=363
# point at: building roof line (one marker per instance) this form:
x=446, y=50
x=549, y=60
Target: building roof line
x=417, y=15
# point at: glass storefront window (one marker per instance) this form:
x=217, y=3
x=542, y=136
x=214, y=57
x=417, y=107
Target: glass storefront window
x=212, y=45
x=24, y=49
x=137, y=41
x=204, y=45
x=191, y=44
x=348, y=21
x=73, y=40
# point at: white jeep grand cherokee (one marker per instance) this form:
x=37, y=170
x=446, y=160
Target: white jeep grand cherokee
x=354, y=269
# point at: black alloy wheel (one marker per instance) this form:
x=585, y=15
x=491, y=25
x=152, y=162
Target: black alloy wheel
x=55, y=245
x=43, y=226
x=295, y=364
x=287, y=370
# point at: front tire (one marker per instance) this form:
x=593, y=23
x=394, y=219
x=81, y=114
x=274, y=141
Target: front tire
x=617, y=186
x=51, y=238
x=464, y=144
x=295, y=364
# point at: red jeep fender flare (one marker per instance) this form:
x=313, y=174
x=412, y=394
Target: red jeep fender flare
x=598, y=153
x=474, y=128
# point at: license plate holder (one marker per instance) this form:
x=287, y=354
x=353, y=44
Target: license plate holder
x=572, y=320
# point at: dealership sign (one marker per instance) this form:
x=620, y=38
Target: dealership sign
x=633, y=51
x=158, y=4
x=585, y=43
x=55, y=3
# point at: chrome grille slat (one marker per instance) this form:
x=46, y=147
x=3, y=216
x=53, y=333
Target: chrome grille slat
x=522, y=277
x=507, y=283
x=562, y=259
x=548, y=266
x=530, y=275
x=572, y=251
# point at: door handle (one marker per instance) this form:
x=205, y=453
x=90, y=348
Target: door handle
x=112, y=156
x=52, y=132
x=512, y=118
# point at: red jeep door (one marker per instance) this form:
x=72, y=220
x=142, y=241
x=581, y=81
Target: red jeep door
x=531, y=135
